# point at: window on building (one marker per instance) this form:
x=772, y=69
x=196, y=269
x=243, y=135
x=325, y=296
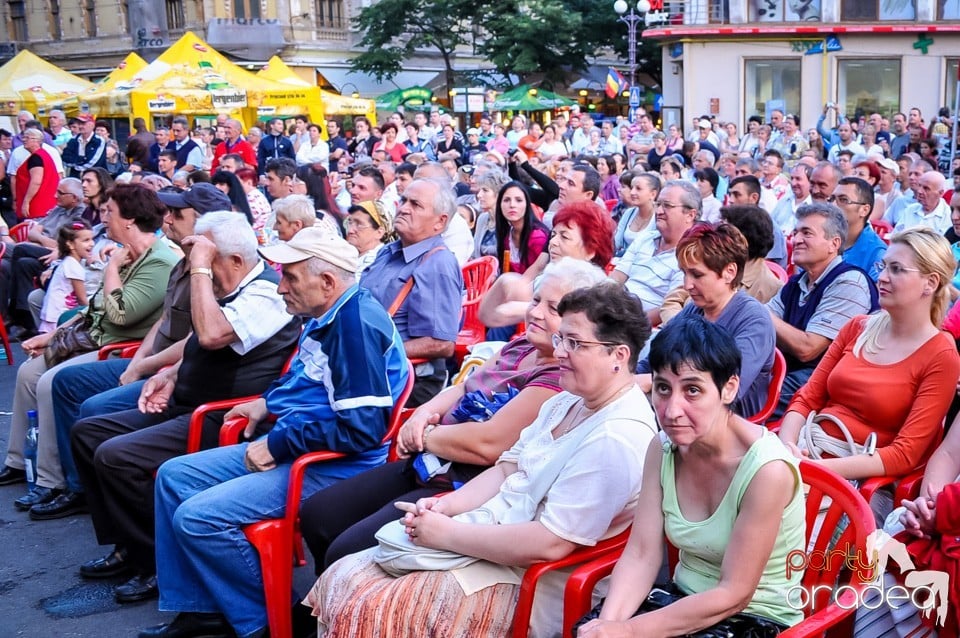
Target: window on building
x=18, y=21
x=867, y=86
x=175, y=20
x=53, y=20
x=771, y=84
x=859, y=10
x=90, y=17
x=330, y=14
x=951, y=80
x=948, y=10
x=784, y=10
x=247, y=9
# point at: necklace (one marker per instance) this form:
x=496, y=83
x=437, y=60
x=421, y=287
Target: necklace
x=576, y=420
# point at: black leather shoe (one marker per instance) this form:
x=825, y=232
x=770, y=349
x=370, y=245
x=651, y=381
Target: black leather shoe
x=192, y=625
x=113, y=564
x=19, y=333
x=66, y=504
x=11, y=475
x=37, y=496
x=136, y=589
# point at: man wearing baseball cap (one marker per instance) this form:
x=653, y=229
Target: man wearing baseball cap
x=241, y=340
x=337, y=396
x=86, y=150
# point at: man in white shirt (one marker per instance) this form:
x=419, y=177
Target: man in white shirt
x=930, y=210
x=847, y=143
x=783, y=214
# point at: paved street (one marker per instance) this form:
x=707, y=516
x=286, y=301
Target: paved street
x=41, y=593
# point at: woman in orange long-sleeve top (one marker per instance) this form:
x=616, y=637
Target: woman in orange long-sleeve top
x=893, y=373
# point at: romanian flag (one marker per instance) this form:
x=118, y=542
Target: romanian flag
x=616, y=83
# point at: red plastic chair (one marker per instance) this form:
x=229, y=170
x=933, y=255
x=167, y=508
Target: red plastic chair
x=3, y=326
x=124, y=350
x=276, y=539
x=478, y=276
x=821, y=614
x=20, y=232
x=229, y=434
x=611, y=204
x=521, y=616
x=778, y=270
x=777, y=375
x=882, y=228
x=791, y=267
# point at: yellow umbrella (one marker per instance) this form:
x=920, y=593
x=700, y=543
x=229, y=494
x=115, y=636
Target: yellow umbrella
x=333, y=103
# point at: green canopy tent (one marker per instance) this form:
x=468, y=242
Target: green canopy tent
x=527, y=98
x=411, y=97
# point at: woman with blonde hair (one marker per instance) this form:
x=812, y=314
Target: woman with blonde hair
x=888, y=377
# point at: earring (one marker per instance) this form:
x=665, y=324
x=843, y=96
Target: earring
x=616, y=368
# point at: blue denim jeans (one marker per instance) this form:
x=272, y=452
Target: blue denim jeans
x=203, y=501
x=90, y=389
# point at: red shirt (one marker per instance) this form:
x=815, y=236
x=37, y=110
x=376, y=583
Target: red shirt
x=46, y=197
x=241, y=147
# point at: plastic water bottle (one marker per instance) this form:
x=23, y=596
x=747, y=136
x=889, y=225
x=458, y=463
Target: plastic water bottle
x=30, y=448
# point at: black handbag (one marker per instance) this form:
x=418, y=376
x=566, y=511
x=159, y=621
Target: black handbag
x=740, y=626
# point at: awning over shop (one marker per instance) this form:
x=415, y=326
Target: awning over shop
x=346, y=81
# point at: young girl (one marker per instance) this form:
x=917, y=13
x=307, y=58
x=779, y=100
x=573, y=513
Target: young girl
x=66, y=290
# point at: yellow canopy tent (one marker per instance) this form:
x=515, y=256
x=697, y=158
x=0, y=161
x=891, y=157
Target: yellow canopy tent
x=192, y=78
x=333, y=104
x=29, y=82
x=99, y=92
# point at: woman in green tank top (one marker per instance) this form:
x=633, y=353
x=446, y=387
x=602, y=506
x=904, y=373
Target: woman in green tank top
x=725, y=492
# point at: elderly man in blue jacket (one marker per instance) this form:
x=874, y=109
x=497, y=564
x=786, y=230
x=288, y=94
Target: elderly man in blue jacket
x=337, y=396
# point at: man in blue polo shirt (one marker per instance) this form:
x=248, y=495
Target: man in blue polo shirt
x=420, y=279
x=337, y=396
x=862, y=248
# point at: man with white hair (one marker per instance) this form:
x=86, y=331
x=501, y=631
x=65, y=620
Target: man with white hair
x=23, y=118
x=242, y=337
x=337, y=396
x=930, y=210
x=58, y=129
x=428, y=307
x=235, y=144
x=456, y=236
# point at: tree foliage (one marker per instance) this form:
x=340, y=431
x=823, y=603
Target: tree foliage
x=549, y=38
x=394, y=29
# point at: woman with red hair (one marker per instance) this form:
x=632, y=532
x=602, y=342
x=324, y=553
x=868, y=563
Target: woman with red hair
x=582, y=230
x=869, y=172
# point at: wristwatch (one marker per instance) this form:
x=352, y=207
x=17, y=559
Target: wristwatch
x=202, y=271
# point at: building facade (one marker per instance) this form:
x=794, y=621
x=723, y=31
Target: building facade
x=737, y=58
x=91, y=37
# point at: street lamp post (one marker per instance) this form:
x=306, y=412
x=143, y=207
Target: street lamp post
x=631, y=19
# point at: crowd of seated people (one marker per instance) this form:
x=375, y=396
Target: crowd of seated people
x=628, y=306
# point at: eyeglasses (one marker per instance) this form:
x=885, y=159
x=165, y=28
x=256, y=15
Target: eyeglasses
x=352, y=223
x=895, y=269
x=572, y=345
x=668, y=206
x=843, y=200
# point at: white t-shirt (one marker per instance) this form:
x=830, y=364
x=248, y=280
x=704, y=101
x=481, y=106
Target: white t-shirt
x=60, y=297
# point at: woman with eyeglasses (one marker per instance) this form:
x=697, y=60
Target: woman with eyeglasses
x=369, y=228
x=570, y=480
x=891, y=375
